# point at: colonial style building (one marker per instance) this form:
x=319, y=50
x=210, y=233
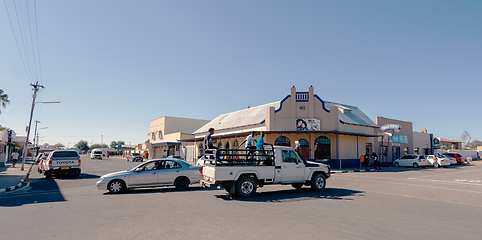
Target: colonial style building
x=326, y=131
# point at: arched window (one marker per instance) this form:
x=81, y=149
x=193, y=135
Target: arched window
x=227, y=145
x=282, y=141
x=220, y=144
x=322, y=148
x=304, y=149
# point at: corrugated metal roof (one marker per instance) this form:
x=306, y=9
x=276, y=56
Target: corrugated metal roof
x=256, y=115
x=245, y=117
x=351, y=115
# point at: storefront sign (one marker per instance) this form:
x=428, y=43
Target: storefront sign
x=303, y=124
x=395, y=127
x=399, y=139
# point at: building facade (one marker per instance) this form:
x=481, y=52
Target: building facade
x=326, y=131
x=167, y=132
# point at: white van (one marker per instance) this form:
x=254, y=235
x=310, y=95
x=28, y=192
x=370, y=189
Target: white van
x=96, y=153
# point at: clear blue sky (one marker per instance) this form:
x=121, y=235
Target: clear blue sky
x=116, y=65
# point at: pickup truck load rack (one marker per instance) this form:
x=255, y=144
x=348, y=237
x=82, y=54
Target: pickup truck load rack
x=241, y=157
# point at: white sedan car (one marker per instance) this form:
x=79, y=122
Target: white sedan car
x=411, y=160
x=441, y=160
x=154, y=173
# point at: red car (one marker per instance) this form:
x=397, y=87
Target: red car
x=456, y=156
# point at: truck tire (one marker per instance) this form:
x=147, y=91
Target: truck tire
x=297, y=186
x=76, y=172
x=318, y=182
x=246, y=187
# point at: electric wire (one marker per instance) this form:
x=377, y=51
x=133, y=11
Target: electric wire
x=16, y=40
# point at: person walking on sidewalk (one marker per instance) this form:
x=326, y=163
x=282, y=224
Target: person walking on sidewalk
x=376, y=163
x=15, y=156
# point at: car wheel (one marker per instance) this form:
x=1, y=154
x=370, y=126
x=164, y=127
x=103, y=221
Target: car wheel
x=246, y=187
x=318, y=182
x=297, y=186
x=396, y=164
x=415, y=165
x=181, y=183
x=116, y=186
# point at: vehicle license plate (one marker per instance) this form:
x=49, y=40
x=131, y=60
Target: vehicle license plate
x=65, y=168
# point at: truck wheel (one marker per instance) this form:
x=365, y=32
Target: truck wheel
x=246, y=187
x=297, y=186
x=76, y=172
x=116, y=186
x=318, y=182
x=181, y=183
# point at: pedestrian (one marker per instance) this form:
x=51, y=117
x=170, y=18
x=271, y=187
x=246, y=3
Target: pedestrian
x=208, y=140
x=147, y=155
x=108, y=154
x=15, y=156
x=376, y=163
x=367, y=160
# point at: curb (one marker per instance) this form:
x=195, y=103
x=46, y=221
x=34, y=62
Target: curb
x=20, y=184
x=356, y=170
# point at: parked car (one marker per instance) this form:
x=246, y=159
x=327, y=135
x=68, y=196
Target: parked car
x=441, y=160
x=96, y=153
x=457, y=156
x=154, y=173
x=411, y=160
x=40, y=158
x=452, y=159
x=135, y=157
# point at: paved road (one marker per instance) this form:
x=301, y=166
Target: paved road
x=401, y=203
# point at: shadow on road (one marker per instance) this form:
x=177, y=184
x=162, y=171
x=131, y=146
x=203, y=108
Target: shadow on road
x=296, y=195
x=157, y=190
x=40, y=191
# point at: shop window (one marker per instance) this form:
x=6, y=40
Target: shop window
x=304, y=149
x=282, y=141
x=417, y=151
x=200, y=149
x=405, y=151
x=322, y=148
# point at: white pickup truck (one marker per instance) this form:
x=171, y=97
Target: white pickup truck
x=61, y=162
x=241, y=171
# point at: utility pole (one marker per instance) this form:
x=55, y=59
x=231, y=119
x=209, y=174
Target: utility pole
x=36, y=87
x=35, y=137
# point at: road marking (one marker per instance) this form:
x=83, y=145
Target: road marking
x=457, y=172
x=464, y=181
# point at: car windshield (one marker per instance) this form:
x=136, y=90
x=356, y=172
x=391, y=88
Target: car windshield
x=65, y=154
x=136, y=154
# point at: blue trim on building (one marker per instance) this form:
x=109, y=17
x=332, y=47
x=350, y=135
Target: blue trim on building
x=165, y=143
x=323, y=103
x=281, y=104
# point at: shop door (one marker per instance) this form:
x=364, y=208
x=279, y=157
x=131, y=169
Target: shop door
x=395, y=153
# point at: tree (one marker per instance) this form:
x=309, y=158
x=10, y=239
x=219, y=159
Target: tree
x=465, y=139
x=82, y=145
x=3, y=99
x=96, y=145
x=58, y=145
x=114, y=144
x=474, y=144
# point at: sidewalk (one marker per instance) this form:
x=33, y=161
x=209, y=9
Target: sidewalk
x=12, y=178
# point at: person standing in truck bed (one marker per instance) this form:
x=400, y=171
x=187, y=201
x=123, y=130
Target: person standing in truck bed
x=208, y=140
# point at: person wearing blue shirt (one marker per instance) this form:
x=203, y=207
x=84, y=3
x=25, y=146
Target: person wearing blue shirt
x=260, y=143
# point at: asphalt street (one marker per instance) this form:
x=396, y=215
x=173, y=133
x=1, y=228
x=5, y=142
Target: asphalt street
x=395, y=203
